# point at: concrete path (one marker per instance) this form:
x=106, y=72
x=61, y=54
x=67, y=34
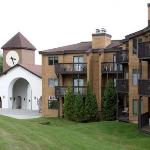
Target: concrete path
x=19, y=113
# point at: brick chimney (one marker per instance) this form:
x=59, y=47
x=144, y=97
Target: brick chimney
x=148, y=5
x=100, y=39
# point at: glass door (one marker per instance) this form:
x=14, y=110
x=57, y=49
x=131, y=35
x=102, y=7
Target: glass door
x=78, y=63
x=78, y=85
x=114, y=61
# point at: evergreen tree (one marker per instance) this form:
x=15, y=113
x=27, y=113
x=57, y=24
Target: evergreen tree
x=1, y=64
x=91, y=108
x=69, y=104
x=79, y=108
x=109, y=101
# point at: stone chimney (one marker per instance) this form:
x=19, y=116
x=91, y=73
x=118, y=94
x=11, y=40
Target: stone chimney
x=100, y=39
x=148, y=5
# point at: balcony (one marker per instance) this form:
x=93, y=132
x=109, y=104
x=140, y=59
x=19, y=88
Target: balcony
x=71, y=68
x=144, y=50
x=122, y=85
x=61, y=90
x=144, y=87
x=122, y=56
x=111, y=68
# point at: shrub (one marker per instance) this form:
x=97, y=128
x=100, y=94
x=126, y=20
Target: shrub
x=79, y=108
x=91, y=108
x=109, y=101
x=69, y=104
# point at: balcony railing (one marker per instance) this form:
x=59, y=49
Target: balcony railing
x=144, y=50
x=122, y=56
x=123, y=113
x=145, y=119
x=122, y=85
x=61, y=90
x=111, y=67
x=144, y=87
x=71, y=68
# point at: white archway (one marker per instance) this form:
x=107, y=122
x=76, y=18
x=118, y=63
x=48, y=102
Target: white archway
x=20, y=94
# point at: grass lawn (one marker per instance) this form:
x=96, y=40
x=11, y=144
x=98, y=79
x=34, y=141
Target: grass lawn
x=61, y=134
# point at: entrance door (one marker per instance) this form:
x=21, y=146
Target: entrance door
x=0, y=102
x=18, y=103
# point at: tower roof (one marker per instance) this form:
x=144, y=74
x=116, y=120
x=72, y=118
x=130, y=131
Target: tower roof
x=18, y=42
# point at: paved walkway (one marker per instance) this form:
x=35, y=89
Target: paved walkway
x=20, y=114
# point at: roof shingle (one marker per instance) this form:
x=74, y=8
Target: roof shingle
x=74, y=48
x=18, y=42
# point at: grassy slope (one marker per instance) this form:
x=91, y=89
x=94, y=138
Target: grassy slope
x=65, y=135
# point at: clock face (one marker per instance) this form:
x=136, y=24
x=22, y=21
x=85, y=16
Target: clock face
x=12, y=58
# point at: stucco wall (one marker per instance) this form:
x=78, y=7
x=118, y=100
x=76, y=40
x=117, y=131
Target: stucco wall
x=7, y=81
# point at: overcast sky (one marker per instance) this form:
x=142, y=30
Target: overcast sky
x=53, y=23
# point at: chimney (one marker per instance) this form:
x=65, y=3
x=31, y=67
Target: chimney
x=148, y=5
x=100, y=39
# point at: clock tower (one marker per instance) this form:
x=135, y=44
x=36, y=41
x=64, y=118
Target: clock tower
x=18, y=50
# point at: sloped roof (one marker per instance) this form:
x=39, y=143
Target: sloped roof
x=18, y=42
x=114, y=46
x=138, y=33
x=74, y=48
x=34, y=69
x=114, y=43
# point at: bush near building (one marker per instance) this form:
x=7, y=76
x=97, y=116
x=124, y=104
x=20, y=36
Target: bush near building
x=80, y=108
x=109, y=101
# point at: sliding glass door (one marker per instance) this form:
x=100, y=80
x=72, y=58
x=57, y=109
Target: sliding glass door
x=78, y=63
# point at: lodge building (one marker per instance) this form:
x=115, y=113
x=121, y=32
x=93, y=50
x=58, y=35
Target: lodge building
x=126, y=62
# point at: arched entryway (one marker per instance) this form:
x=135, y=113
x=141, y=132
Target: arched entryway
x=0, y=102
x=21, y=94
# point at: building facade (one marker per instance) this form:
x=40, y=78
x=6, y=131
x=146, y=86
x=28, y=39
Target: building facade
x=126, y=62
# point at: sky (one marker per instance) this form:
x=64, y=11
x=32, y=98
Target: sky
x=53, y=23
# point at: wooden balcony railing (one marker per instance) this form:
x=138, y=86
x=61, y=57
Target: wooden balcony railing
x=122, y=85
x=144, y=87
x=61, y=90
x=122, y=56
x=71, y=68
x=144, y=50
x=111, y=67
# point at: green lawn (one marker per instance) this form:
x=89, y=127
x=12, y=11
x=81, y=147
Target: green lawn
x=65, y=135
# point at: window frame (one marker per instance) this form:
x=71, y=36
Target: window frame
x=54, y=60
x=54, y=80
x=137, y=77
x=136, y=100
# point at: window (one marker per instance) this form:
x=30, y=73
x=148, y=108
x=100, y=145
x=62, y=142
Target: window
x=115, y=81
x=135, y=45
x=136, y=41
x=78, y=85
x=53, y=104
x=135, y=76
x=135, y=106
x=78, y=60
x=52, y=60
x=52, y=82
